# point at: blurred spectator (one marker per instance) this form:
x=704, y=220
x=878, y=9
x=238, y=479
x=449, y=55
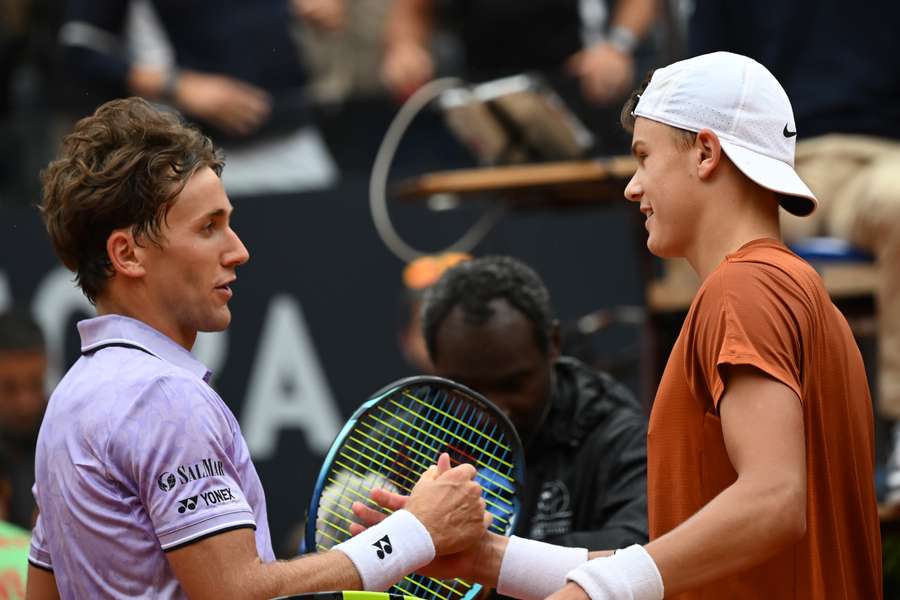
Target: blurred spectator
x=343, y=56
x=584, y=48
x=418, y=276
x=236, y=68
x=28, y=92
x=330, y=15
x=840, y=67
x=488, y=324
x=23, y=362
x=13, y=29
x=14, y=543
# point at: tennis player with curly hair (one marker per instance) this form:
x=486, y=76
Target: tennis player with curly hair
x=143, y=480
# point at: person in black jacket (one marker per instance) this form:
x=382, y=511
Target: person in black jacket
x=488, y=324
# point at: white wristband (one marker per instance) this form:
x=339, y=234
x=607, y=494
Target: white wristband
x=628, y=574
x=533, y=570
x=385, y=553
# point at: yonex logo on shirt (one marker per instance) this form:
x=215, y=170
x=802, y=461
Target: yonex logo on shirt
x=210, y=498
x=384, y=547
x=187, y=504
x=219, y=496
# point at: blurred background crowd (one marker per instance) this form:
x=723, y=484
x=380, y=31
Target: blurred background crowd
x=301, y=93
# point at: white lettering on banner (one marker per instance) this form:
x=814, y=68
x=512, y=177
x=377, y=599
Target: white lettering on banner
x=56, y=299
x=287, y=387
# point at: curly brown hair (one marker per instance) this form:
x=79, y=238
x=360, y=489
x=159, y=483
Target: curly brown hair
x=123, y=166
x=684, y=138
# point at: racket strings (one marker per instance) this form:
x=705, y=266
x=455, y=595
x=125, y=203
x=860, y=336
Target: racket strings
x=422, y=466
x=445, y=440
x=390, y=447
x=426, y=427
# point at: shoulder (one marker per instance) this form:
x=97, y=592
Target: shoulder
x=759, y=278
x=169, y=404
x=106, y=389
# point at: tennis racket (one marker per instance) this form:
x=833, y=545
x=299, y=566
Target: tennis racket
x=392, y=439
x=347, y=595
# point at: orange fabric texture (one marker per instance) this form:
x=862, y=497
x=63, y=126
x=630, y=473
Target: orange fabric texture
x=765, y=307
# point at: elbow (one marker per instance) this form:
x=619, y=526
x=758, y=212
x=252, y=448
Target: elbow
x=790, y=513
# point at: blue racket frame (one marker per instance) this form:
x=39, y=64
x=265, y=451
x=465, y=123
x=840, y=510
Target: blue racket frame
x=502, y=501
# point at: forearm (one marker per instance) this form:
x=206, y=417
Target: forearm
x=409, y=21
x=634, y=15
x=255, y=579
x=490, y=556
x=227, y=565
x=326, y=571
x=743, y=526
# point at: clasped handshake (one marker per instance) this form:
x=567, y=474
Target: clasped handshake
x=440, y=530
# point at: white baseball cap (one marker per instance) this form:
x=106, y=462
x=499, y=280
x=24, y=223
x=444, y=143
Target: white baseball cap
x=746, y=107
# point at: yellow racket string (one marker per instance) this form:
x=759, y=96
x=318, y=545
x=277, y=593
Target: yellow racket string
x=399, y=441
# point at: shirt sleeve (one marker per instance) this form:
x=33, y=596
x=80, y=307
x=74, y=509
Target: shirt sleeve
x=39, y=553
x=748, y=315
x=177, y=449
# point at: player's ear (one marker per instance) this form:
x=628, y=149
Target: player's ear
x=124, y=254
x=709, y=153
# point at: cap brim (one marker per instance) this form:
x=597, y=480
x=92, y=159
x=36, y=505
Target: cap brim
x=794, y=195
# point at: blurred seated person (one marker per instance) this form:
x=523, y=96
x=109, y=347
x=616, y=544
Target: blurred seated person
x=840, y=68
x=237, y=69
x=488, y=324
x=418, y=276
x=23, y=363
x=13, y=37
x=14, y=542
x=585, y=49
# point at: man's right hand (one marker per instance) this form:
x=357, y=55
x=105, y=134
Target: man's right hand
x=446, y=501
x=234, y=106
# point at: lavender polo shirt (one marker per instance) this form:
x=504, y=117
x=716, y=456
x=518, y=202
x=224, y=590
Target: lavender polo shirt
x=137, y=456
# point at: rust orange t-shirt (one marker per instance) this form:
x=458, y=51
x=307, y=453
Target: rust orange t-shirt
x=765, y=307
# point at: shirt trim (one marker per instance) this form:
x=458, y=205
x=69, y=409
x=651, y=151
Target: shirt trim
x=207, y=534
x=115, y=343
x=40, y=565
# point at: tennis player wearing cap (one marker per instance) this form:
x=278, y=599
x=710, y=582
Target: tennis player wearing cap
x=760, y=444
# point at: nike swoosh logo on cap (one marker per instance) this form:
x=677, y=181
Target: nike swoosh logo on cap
x=787, y=132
